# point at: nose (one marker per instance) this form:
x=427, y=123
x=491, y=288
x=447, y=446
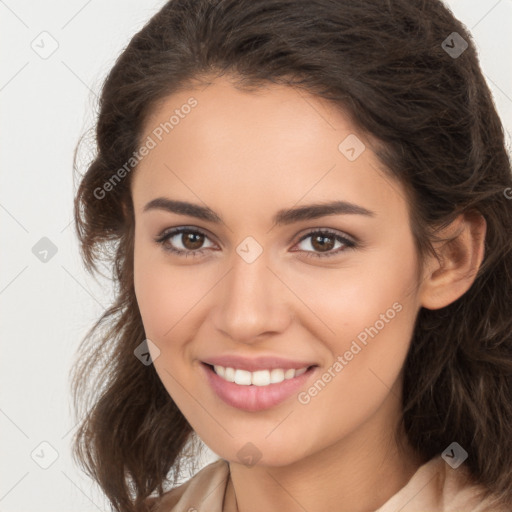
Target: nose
x=252, y=302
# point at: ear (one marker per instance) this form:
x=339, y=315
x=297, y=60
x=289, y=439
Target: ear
x=451, y=274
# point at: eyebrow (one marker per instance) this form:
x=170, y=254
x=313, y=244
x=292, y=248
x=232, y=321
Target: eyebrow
x=282, y=217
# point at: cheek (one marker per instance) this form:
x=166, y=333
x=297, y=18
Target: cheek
x=165, y=293
x=370, y=290
x=367, y=314
x=372, y=311
x=368, y=356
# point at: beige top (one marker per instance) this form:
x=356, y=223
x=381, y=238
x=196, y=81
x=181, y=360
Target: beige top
x=435, y=487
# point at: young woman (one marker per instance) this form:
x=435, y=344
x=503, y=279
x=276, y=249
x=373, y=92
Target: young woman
x=307, y=209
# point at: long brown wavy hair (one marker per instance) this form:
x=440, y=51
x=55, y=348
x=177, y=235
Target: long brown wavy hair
x=385, y=63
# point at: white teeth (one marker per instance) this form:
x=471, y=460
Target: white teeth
x=257, y=378
x=242, y=377
x=276, y=375
x=229, y=374
x=260, y=378
x=219, y=370
x=289, y=374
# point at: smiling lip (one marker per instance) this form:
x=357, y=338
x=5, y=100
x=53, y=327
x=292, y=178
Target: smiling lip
x=257, y=363
x=255, y=398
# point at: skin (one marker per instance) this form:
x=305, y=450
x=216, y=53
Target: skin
x=247, y=155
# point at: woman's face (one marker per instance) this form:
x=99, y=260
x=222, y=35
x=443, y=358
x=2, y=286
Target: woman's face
x=264, y=274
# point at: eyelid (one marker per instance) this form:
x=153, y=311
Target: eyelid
x=178, y=229
x=329, y=231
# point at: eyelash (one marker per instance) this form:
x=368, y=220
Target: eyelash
x=165, y=236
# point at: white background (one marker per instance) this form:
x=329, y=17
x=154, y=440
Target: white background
x=47, y=307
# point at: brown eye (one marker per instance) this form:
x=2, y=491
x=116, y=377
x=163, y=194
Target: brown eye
x=324, y=244
x=192, y=240
x=184, y=241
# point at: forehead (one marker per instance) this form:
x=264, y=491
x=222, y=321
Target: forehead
x=277, y=143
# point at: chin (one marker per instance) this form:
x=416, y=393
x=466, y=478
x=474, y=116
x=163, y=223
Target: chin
x=252, y=455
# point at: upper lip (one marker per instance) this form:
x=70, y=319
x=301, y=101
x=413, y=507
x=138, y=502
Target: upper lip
x=256, y=363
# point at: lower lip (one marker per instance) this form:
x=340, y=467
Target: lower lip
x=255, y=398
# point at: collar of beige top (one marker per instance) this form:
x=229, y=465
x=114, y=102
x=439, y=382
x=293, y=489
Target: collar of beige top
x=230, y=503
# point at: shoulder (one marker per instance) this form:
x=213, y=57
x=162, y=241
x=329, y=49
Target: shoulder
x=204, y=491
x=437, y=487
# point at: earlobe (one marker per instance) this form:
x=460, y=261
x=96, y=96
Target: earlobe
x=451, y=274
